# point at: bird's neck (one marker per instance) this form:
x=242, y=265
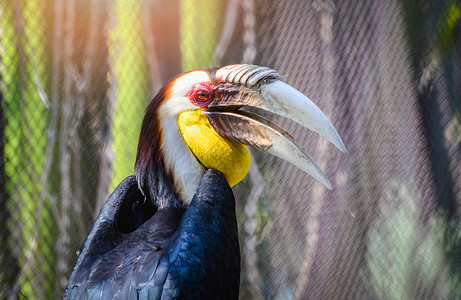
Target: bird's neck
x=212, y=150
x=166, y=170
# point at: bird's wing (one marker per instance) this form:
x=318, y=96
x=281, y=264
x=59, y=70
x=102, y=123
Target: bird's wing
x=124, y=211
x=171, y=255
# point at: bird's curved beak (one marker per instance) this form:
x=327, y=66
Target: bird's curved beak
x=259, y=87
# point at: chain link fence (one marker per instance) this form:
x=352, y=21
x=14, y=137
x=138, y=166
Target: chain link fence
x=76, y=76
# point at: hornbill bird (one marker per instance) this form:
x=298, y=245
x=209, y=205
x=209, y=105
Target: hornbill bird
x=170, y=231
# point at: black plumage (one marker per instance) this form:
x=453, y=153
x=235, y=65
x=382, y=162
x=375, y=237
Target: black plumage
x=137, y=252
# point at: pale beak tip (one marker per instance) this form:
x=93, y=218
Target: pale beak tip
x=341, y=146
x=323, y=179
x=336, y=140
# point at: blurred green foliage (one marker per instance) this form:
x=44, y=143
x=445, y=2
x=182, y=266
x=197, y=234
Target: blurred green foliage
x=407, y=253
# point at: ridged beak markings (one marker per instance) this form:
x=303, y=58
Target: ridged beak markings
x=260, y=87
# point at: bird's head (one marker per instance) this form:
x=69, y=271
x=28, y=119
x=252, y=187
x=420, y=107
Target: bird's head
x=196, y=122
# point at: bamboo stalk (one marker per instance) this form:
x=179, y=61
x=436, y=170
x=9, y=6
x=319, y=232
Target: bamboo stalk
x=26, y=120
x=199, y=32
x=129, y=85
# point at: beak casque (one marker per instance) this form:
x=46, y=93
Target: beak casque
x=253, y=86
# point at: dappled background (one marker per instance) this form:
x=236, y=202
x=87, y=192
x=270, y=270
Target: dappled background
x=76, y=76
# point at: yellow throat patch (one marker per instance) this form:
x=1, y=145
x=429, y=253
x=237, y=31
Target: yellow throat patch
x=212, y=150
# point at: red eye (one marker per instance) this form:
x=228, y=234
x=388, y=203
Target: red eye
x=202, y=95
